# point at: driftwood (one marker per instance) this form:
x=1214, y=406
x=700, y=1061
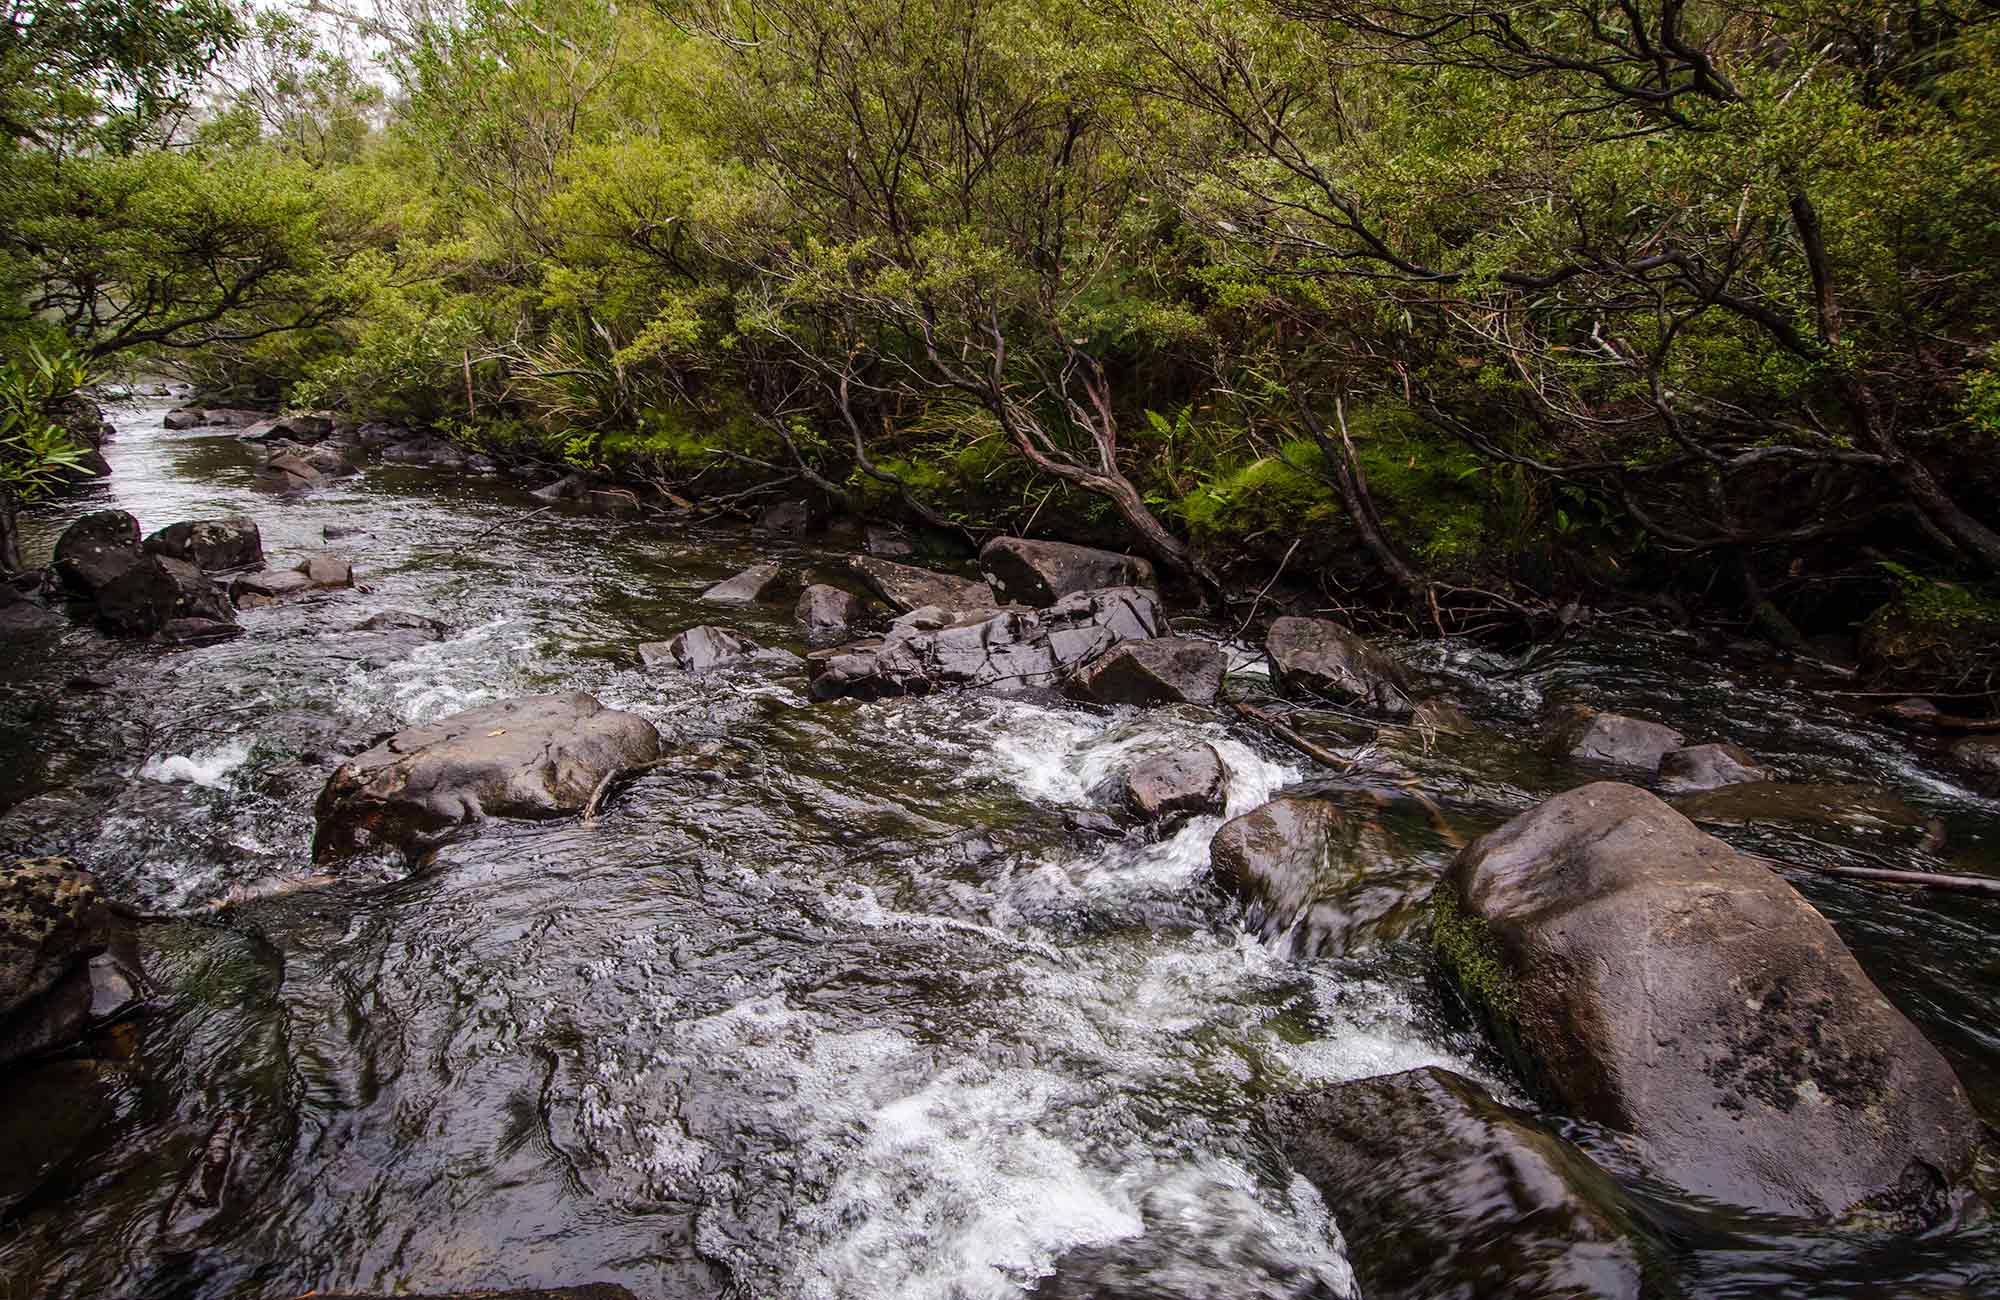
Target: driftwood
x=1943, y=882
x=1293, y=738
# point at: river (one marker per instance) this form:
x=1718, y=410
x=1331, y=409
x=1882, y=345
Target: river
x=852, y=1012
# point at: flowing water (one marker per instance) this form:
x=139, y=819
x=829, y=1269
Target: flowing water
x=849, y=1011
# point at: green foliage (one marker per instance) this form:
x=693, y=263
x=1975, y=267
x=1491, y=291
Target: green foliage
x=36, y=453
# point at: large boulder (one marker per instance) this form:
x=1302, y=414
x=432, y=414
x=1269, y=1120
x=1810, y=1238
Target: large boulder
x=211, y=544
x=1578, y=731
x=95, y=549
x=1655, y=980
x=58, y=969
x=1442, y=1193
x=827, y=613
x=1164, y=670
x=1709, y=767
x=157, y=590
x=537, y=757
x=1186, y=783
x=1317, y=656
x=307, y=427
x=321, y=572
x=1311, y=871
x=908, y=588
x=1028, y=572
x=1010, y=649
x=288, y=474
x=757, y=583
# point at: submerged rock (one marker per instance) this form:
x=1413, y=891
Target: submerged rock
x=21, y=616
x=95, y=549
x=537, y=757
x=155, y=591
x=1010, y=649
x=588, y=1291
x=907, y=588
x=827, y=613
x=1029, y=572
x=1849, y=807
x=1162, y=670
x=213, y=544
x=1317, y=656
x=1656, y=980
x=1592, y=735
x=1188, y=783
x=1709, y=767
x=1442, y=1193
x=1310, y=869
x=757, y=583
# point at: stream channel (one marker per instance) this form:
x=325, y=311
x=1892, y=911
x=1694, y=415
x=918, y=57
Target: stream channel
x=854, y=1012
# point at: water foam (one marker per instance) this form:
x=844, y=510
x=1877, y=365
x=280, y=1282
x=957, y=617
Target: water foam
x=202, y=767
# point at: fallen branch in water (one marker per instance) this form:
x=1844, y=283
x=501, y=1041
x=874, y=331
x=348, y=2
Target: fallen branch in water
x=1941, y=881
x=595, y=804
x=1293, y=738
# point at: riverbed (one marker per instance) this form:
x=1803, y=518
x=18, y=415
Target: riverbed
x=851, y=1008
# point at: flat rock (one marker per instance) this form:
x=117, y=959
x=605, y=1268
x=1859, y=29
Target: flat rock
x=1709, y=767
x=1852, y=807
x=316, y=573
x=1029, y=572
x=1651, y=978
x=1578, y=731
x=699, y=648
x=907, y=587
x=1317, y=656
x=1188, y=783
x=537, y=757
x=1442, y=1193
x=757, y=583
x=306, y=427
x=1161, y=670
x=1318, y=875
x=214, y=545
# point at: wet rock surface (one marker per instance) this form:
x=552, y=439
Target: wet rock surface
x=215, y=545
x=827, y=613
x=314, y=573
x=1660, y=982
x=537, y=757
x=1442, y=1193
x=1029, y=572
x=1979, y=756
x=155, y=591
x=759, y=582
x=591, y=1291
x=1709, y=767
x=54, y=929
x=1580, y=732
x=95, y=549
x=1011, y=649
x=1857, y=807
x=1319, y=877
x=1161, y=670
x=698, y=649
x=906, y=587
x=1317, y=656
x=1168, y=786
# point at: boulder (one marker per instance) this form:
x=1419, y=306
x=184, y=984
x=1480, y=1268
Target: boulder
x=157, y=590
x=757, y=583
x=1442, y=1193
x=1978, y=756
x=887, y=542
x=1849, y=807
x=1657, y=981
x=1709, y=767
x=1010, y=649
x=287, y=474
x=787, y=518
x=306, y=427
x=697, y=649
x=907, y=587
x=211, y=544
x=570, y=487
x=186, y=417
x=1028, y=572
x=370, y=434
x=537, y=757
x=1580, y=732
x=20, y=616
x=1188, y=783
x=53, y=927
x=328, y=459
x=827, y=613
x=426, y=450
x=316, y=573
x=95, y=549
x=1311, y=870
x=1164, y=670
x=1317, y=656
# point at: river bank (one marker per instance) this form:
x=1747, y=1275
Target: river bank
x=859, y=1008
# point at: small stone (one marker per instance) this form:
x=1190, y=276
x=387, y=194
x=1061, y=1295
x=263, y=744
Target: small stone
x=757, y=583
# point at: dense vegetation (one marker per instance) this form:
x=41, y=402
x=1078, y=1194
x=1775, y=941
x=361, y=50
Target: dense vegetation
x=1455, y=311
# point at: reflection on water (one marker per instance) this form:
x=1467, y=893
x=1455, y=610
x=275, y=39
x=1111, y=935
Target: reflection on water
x=851, y=1012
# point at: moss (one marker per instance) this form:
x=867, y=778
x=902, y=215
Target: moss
x=1470, y=954
x=1931, y=628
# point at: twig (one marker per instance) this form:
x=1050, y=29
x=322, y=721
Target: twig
x=1942, y=881
x=1293, y=738
x=1265, y=590
x=504, y=523
x=595, y=803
